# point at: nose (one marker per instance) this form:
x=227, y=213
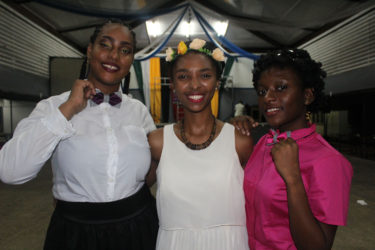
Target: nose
x=270, y=95
x=195, y=83
x=113, y=54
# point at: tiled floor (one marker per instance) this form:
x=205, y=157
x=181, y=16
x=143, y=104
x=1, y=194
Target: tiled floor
x=25, y=211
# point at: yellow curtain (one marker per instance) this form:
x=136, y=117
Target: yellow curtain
x=155, y=89
x=215, y=103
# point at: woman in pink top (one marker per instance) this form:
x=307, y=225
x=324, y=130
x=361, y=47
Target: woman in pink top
x=296, y=184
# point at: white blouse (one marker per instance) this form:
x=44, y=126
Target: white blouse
x=100, y=155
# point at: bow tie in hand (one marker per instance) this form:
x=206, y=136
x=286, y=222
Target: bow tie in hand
x=274, y=137
x=114, y=99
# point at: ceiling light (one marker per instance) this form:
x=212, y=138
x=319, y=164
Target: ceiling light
x=153, y=28
x=221, y=27
x=187, y=28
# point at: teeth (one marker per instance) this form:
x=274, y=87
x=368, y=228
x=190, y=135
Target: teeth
x=195, y=97
x=272, y=109
x=110, y=67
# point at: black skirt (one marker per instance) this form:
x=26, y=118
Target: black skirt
x=127, y=224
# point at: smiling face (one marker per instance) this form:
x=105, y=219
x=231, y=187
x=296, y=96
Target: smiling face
x=282, y=99
x=110, y=57
x=194, y=80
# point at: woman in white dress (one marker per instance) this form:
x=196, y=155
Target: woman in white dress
x=198, y=161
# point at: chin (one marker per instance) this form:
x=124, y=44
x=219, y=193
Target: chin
x=110, y=82
x=274, y=125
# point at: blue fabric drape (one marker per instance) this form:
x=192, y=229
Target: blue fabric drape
x=222, y=39
x=164, y=42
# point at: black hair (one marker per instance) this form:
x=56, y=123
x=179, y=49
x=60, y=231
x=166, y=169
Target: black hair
x=208, y=46
x=309, y=72
x=98, y=29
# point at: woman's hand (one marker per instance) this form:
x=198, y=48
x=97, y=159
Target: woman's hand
x=285, y=156
x=244, y=124
x=307, y=232
x=82, y=90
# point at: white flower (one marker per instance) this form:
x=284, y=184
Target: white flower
x=169, y=53
x=197, y=44
x=218, y=55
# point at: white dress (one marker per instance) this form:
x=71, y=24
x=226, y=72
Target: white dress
x=200, y=198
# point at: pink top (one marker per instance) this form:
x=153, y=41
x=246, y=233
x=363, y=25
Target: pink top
x=326, y=176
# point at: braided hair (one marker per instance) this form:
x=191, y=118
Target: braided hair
x=98, y=29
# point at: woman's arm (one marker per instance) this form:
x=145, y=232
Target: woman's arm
x=244, y=146
x=155, y=139
x=33, y=142
x=37, y=136
x=306, y=230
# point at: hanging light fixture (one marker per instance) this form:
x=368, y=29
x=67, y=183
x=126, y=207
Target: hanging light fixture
x=187, y=28
x=221, y=27
x=153, y=28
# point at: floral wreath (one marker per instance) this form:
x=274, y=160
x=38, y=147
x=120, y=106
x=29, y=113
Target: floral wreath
x=197, y=44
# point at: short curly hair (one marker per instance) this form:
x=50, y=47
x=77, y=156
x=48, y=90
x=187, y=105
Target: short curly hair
x=310, y=72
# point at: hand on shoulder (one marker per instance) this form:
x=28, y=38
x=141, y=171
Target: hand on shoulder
x=244, y=124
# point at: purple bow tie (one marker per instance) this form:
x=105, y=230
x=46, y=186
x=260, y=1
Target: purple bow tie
x=273, y=137
x=113, y=99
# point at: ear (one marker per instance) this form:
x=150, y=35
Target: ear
x=171, y=86
x=88, y=51
x=217, y=84
x=309, y=96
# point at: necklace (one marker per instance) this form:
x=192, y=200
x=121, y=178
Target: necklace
x=197, y=146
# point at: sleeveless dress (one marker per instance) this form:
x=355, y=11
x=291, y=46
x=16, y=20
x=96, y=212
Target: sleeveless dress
x=200, y=200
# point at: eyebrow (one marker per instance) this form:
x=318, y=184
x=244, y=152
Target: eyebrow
x=206, y=69
x=112, y=40
x=186, y=70
x=181, y=70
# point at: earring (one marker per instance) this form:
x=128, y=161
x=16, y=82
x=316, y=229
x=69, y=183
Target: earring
x=87, y=68
x=308, y=117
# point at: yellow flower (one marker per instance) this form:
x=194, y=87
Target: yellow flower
x=182, y=48
x=218, y=55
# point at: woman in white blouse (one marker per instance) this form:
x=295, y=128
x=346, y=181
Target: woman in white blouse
x=97, y=138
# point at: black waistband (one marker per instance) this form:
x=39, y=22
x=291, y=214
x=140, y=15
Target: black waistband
x=100, y=212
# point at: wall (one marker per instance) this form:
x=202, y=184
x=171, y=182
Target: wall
x=241, y=73
x=64, y=71
x=15, y=109
x=337, y=124
x=229, y=97
x=25, y=50
x=238, y=87
x=347, y=52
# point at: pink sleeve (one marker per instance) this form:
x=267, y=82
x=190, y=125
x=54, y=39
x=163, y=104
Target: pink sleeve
x=329, y=189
